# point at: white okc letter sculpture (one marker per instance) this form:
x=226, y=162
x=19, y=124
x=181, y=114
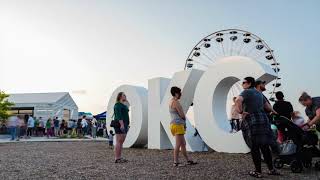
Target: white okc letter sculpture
x=159, y=135
x=138, y=99
x=150, y=117
x=211, y=98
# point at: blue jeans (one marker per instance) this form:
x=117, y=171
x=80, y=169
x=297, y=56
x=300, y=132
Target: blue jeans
x=13, y=132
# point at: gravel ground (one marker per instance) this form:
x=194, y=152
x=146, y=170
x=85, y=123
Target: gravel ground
x=93, y=160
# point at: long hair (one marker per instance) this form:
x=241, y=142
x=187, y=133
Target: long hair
x=251, y=80
x=119, y=96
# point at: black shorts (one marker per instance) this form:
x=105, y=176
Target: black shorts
x=110, y=143
x=118, y=130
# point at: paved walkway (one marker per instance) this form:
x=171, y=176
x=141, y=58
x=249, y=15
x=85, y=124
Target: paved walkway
x=6, y=139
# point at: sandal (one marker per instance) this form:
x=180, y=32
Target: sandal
x=191, y=163
x=121, y=160
x=255, y=174
x=274, y=173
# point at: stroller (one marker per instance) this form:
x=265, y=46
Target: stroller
x=302, y=149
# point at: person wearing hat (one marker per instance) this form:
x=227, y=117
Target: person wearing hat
x=261, y=87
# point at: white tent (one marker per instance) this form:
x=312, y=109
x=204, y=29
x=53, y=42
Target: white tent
x=45, y=105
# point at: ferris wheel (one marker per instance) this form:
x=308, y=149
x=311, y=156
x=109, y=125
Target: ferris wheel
x=234, y=42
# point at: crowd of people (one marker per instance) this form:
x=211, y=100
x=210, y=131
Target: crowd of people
x=251, y=112
x=28, y=126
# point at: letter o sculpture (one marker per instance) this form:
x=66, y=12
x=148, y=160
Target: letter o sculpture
x=211, y=98
x=138, y=99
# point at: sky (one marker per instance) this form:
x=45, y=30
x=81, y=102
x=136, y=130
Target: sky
x=90, y=47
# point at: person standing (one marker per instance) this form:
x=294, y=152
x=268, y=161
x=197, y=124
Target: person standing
x=252, y=105
x=36, y=127
x=62, y=127
x=235, y=117
x=261, y=87
x=12, y=126
x=283, y=108
x=79, y=127
x=41, y=128
x=30, y=126
x=84, y=125
x=312, y=109
x=56, y=124
x=49, y=127
x=25, y=128
x=20, y=126
x=94, y=128
x=178, y=127
x=121, y=116
x=69, y=126
x=110, y=139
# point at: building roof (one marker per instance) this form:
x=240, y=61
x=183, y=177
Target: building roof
x=36, y=97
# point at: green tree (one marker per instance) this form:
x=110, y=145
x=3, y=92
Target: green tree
x=4, y=106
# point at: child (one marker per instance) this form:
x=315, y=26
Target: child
x=297, y=119
x=111, y=139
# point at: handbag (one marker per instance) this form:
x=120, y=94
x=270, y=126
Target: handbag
x=288, y=148
x=114, y=123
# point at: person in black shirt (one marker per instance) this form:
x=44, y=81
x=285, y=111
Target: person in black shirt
x=282, y=107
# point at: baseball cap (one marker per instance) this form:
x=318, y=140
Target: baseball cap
x=258, y=82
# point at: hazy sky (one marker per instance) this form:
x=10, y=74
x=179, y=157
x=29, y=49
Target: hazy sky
x=90, y=47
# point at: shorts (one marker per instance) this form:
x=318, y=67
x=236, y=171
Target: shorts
x=119, y=131
x=110, y=143
x=177, y=129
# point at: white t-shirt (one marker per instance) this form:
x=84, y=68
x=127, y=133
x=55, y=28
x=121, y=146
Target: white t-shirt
x=110, y=137
x=299, y=121
x=84, y=123
x=94, y=122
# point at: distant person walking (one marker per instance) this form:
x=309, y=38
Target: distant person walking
x=178, y=127
x=283, y=108
x=251, y=105
x=30, y=127
x=312, y=105
x=56, y=124
x=121, y=116
x=94, y=128
x=12, y=126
